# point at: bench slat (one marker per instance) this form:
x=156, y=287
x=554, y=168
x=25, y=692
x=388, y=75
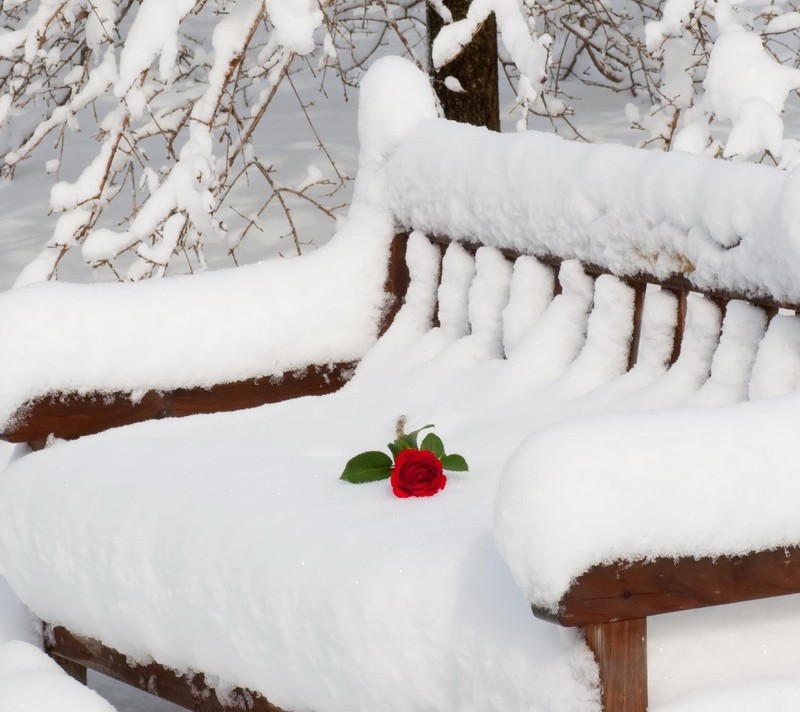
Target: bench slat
x=625, y=591
x=190, y=691
x=636, y=333
x=674, y=282
x=680, y=325
x=72, y=415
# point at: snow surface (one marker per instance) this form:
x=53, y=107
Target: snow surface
x=331, y=596
x=300, y=606
x=722, y=225
x=672, y=483
x=258, y=320
x=747, y=86
x=30, y=681
x=158, y=582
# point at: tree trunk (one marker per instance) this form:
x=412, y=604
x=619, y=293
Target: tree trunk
x=475, y=68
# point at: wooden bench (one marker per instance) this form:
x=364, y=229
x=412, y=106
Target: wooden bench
x=610, y=602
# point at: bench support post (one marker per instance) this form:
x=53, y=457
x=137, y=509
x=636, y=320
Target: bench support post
x=621, y=652
x=74, y=669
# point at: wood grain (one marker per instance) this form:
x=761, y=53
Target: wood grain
x=72, y=415
x=680, y=324
x=621, y=653
x=629, y=590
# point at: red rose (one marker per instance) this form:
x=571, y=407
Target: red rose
x=417, y=473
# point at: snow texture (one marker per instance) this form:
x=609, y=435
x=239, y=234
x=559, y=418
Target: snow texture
x=227, y=544
x=672, y=483
x=150, y=576
x=747, y=86
x=30, y=681
x=298, y=607
x=219, y=327
x=722, y=225
x=725, y=226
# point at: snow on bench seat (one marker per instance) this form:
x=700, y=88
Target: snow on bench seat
x=227, y=544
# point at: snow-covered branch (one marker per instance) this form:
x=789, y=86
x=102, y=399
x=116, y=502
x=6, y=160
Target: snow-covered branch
x=176, y=94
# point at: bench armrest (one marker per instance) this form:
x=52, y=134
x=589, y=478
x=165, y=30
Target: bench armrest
x=628, y=590
x=67, y=405
x=72, y=415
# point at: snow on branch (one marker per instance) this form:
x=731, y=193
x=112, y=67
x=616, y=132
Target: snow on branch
x=528, y=52
x=174, y=94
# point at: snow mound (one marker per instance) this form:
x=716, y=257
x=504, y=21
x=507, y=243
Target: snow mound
x=681, y=482
x=726, y=226
x=32, y=682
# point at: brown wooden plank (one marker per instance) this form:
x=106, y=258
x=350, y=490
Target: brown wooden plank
x=189, y=690
x=72, y=415
x=628, y=590
x=639, y=290
x=676, y=282
x=76, y=671
x=621, y=652
x=397, y=280
x=680, y=324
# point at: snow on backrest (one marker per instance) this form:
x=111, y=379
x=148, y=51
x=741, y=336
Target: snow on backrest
x=703, y=319
x=608, y=336
x=691, y=370
x=777, y=367
x=658, y=329
x=742, y=329
x=721, y=225
x=532, y=289
x=547, y=349
x=381, y=363
x=419, y=304
x=458, y=271
x=488, y=295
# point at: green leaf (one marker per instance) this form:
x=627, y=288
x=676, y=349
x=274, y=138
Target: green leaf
x=395, y=448
x=367, y=467
x=412, y=436
x=455, y=463
x=399, y=445
x=433, y=443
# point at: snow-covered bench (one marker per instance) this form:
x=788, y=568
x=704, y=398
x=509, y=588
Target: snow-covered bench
x=218, y=562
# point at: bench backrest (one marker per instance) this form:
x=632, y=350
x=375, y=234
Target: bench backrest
x=71, y=415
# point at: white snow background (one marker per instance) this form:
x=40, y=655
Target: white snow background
x=29, y=681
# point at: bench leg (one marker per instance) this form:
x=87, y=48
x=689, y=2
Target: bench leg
x=73, y=669
x=621, y=652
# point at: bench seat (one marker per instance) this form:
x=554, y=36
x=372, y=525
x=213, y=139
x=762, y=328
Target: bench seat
x=230, y=547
